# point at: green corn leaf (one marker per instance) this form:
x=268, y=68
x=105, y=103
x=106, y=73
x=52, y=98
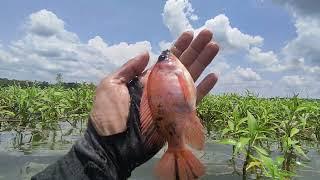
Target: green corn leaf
x=293, y=132
x=240, y=123
x=302, y=108
x=6, y=112
x=279, y=160
x=241, y=144
x=267, y=161
x=228, y=141
x=57, y=93
x=252, y=123
x=225, y=131
x=288, y=141
x=253, y=164
x=300, y=151
x=231, y=125
x=261, y=150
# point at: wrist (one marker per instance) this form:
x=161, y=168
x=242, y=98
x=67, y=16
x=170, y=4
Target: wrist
x=112, y=149
x=97, y=157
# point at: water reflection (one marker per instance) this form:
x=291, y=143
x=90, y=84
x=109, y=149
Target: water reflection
x=23, y=154
x=31, y=140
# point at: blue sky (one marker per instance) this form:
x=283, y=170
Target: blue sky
x=261, y=40
x=118, y=21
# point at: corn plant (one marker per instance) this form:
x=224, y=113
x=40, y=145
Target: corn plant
x=255, y=127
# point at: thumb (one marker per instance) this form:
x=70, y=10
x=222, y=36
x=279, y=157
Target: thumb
x=133, y=67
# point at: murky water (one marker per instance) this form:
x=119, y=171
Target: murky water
x=25, y=160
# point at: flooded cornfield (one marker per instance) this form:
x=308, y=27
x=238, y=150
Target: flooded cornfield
x=248, y=71
x=248, y=137
x=20, y=158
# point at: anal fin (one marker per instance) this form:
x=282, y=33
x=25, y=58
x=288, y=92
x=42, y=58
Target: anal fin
x=194, y=132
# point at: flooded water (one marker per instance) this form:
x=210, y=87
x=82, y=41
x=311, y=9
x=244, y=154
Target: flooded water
x=24, y=160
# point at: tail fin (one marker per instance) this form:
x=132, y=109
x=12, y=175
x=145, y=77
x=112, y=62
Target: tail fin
x=179, y=165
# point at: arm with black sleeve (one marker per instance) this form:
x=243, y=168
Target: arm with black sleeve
x=105, y=157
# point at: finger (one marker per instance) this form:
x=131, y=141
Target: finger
x=203, y=60
x=134, y=67
x=196, y=46
x=182, y=43
x=205, y=86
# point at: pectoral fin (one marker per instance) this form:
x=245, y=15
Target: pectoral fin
x=148, y=128
x=188, y=90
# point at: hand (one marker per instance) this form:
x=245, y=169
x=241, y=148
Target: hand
x=196, y=55
x=112, y=99
x=115, y=113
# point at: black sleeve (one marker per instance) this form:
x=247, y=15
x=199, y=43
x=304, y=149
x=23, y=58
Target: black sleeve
x=86, y=160
x=109, y=157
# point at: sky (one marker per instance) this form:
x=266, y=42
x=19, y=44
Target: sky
x=269, y=47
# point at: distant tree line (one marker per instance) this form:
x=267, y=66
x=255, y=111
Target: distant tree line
x=4, y=82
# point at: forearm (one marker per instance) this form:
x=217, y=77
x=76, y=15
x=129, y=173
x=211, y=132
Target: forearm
x=106, y=157
x=87, y=159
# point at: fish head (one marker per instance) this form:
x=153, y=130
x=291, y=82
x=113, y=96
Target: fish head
x=166, y=56
x=166, y=60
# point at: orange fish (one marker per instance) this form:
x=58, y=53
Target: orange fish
x=168, y=114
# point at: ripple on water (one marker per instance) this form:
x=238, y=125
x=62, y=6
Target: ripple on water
x=21, y=162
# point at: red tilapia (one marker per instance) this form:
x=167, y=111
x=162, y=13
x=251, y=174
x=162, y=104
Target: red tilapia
x=168, y=114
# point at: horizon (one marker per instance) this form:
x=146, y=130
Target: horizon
x=268, y=47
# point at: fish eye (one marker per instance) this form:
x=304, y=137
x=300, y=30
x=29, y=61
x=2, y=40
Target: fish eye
x=161, y=57
x=164, y=55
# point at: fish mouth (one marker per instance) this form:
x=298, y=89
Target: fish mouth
x=164, y=55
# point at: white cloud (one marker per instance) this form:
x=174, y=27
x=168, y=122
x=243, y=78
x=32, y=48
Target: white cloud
x=5, y=57
x=98, y=43
x=302, y=52
x=194, y=17
x=293, y=80
x=302, y=8
x=164, y=45
x=288, y=65
x=230, y=38
x=240, y=80
x=264, y=58
x=245, y=74
x=176, y=15
x=315, y=71
x=304, y=85
x=220, y=67
x=45, y=23
x=48, y=48
x=119, y=53
x=301, y=55
x=307, y=43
